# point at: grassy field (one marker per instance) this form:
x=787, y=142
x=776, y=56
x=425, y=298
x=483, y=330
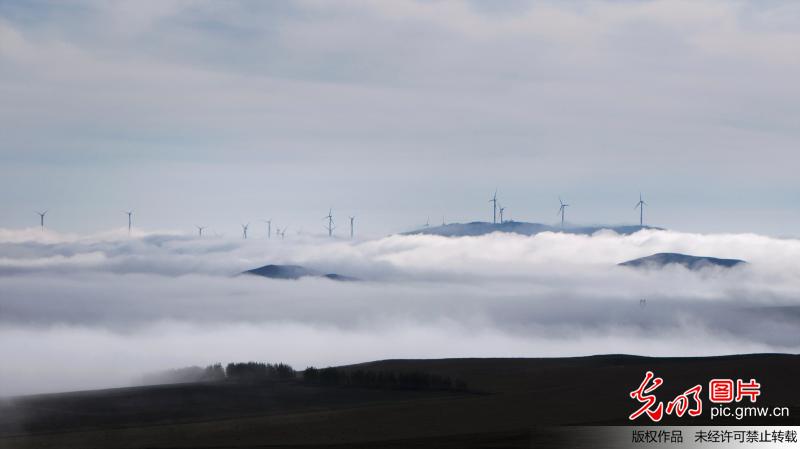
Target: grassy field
x=507, y=401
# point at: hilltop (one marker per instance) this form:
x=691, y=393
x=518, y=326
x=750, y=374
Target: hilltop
x=294, y=272
x=507, y=399
x=476, y=228
x=691, y=262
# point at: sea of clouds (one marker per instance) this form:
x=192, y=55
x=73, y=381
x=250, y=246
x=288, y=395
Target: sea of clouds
x=80, y=312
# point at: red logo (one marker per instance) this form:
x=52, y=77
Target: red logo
x=655, y=410
x=720, y=391
x=750, y=389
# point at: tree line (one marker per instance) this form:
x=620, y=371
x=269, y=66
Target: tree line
x=255, y=372
x=246, y=372
x=211, y=373
x=383, y=379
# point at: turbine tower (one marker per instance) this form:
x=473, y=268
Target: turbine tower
x=352, y=219
x=640, y=205
x=494, y=204
x=428, y=221
x=330, y=226
x=501, y=209
x=269, y=228
x=200, y=230
x=561, y=210
x=130, y=220
x=244, y=230
x=41, y=218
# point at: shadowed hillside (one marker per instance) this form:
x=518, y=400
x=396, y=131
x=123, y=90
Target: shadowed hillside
x=508, y=398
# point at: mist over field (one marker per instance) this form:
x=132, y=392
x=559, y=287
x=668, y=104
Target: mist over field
x=90, y=311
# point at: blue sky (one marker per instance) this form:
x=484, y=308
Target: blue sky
x=219, y=113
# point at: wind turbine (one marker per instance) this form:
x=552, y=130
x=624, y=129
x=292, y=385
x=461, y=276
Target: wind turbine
x=244, y=230
x=130, y=220
x=494, y=203
x=561, y=211
x=640, y=205
x=352, y=219
x=330, y=226
x=501, y=209
x=269, y=228
x=282, y=232
x=41, y=218
x=200, y=230
x=428, y=221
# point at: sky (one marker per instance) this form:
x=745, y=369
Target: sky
x=102, y=310
x=221, y=113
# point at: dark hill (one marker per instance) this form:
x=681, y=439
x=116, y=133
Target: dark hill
x=691, y=262
x=293, y=272
x=476, y=228
x=510, y=398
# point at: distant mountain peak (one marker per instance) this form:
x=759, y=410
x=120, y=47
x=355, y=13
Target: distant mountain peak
x=273, y=271
x=691, y=262
x=477, y=228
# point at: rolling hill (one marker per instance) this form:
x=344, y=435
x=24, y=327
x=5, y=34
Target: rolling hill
x=691, y=262
x=510, y=403
x=477, y=228
x=294, y=272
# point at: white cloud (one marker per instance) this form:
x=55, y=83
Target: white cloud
x=423, y=296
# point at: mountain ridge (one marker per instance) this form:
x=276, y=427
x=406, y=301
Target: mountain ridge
x=293, y=272
x=477, y=228
x=661, y=260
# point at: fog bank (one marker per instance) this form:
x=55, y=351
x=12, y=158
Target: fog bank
x=80, y=312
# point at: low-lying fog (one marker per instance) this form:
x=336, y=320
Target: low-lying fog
x=80, y=312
